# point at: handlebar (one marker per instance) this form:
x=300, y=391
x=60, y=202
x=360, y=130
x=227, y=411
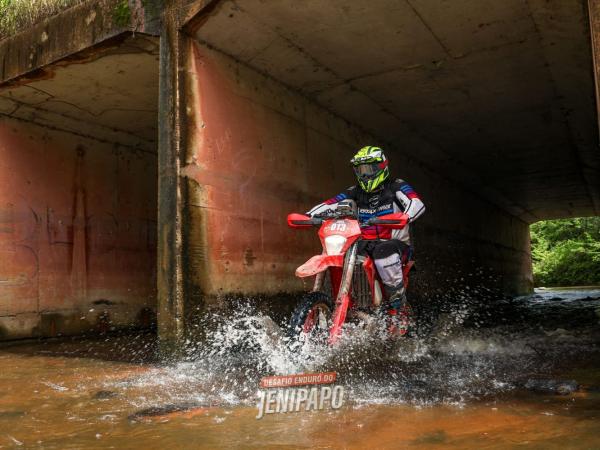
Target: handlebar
x=396, y=220
x=313, y=221
x=371, y=222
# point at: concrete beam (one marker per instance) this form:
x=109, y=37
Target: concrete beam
x=70, y=32
x=125, y=85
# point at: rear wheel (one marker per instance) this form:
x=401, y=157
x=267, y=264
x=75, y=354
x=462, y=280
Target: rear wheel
x=312, y=317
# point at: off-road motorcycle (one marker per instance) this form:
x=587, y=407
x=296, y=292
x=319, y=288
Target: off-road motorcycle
x=347, y=286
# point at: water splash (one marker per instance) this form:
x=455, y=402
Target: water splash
x=461, y=359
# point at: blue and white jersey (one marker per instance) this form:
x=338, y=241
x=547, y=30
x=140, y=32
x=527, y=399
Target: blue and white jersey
x=394, y=196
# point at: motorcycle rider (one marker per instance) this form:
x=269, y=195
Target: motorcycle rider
x=376, y=195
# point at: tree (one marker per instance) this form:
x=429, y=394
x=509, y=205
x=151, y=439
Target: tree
x=566, y=252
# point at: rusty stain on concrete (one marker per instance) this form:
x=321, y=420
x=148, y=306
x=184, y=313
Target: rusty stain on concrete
x=240, y=197
x=76, y=224
x=248, y=257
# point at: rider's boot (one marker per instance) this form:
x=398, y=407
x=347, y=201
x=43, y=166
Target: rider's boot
x=398, y=312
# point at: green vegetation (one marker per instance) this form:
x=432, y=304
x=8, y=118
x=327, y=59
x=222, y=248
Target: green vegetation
x=566, y=252
x=122, y=13
x=15, y=15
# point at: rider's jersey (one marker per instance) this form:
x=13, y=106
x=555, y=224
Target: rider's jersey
x=394, y=196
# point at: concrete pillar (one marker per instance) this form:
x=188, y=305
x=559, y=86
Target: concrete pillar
x=594, y=15
x=170, y=278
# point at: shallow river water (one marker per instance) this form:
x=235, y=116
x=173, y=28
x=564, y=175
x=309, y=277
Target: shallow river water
x=482, y=378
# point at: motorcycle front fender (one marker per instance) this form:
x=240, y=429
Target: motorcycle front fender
x=318, y=264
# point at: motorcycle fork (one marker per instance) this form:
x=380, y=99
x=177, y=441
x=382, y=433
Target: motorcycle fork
x=319, y=281
x=343, y=298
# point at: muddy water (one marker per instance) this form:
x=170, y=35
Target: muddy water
x=477, y=380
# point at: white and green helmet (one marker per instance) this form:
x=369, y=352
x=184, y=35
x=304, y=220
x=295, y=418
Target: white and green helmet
x=371, y=167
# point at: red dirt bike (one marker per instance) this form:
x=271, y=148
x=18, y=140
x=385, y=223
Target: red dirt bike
x=341, y=274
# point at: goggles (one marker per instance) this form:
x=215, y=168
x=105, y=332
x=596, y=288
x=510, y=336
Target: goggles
x=368, y=170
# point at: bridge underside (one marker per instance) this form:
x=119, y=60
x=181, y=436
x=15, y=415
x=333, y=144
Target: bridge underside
x=486, y=107
x=78, y=193
x=497, y=96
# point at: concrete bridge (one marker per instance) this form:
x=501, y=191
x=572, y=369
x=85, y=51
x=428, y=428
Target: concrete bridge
x=148, y=159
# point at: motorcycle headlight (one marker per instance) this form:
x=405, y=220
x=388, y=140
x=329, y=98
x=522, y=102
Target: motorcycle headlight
x=334, y=244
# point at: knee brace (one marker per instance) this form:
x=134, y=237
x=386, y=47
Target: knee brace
x=390, y=270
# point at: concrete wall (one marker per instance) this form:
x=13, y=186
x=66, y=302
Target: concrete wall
x=77, y=233
x=258, y=151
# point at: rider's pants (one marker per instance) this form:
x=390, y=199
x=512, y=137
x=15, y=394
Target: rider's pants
x=389, y=257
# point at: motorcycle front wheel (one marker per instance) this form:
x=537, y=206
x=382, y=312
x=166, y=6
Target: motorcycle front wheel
x=312, y=316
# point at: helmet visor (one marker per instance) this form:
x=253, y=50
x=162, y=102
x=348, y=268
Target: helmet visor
x=367, y=170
